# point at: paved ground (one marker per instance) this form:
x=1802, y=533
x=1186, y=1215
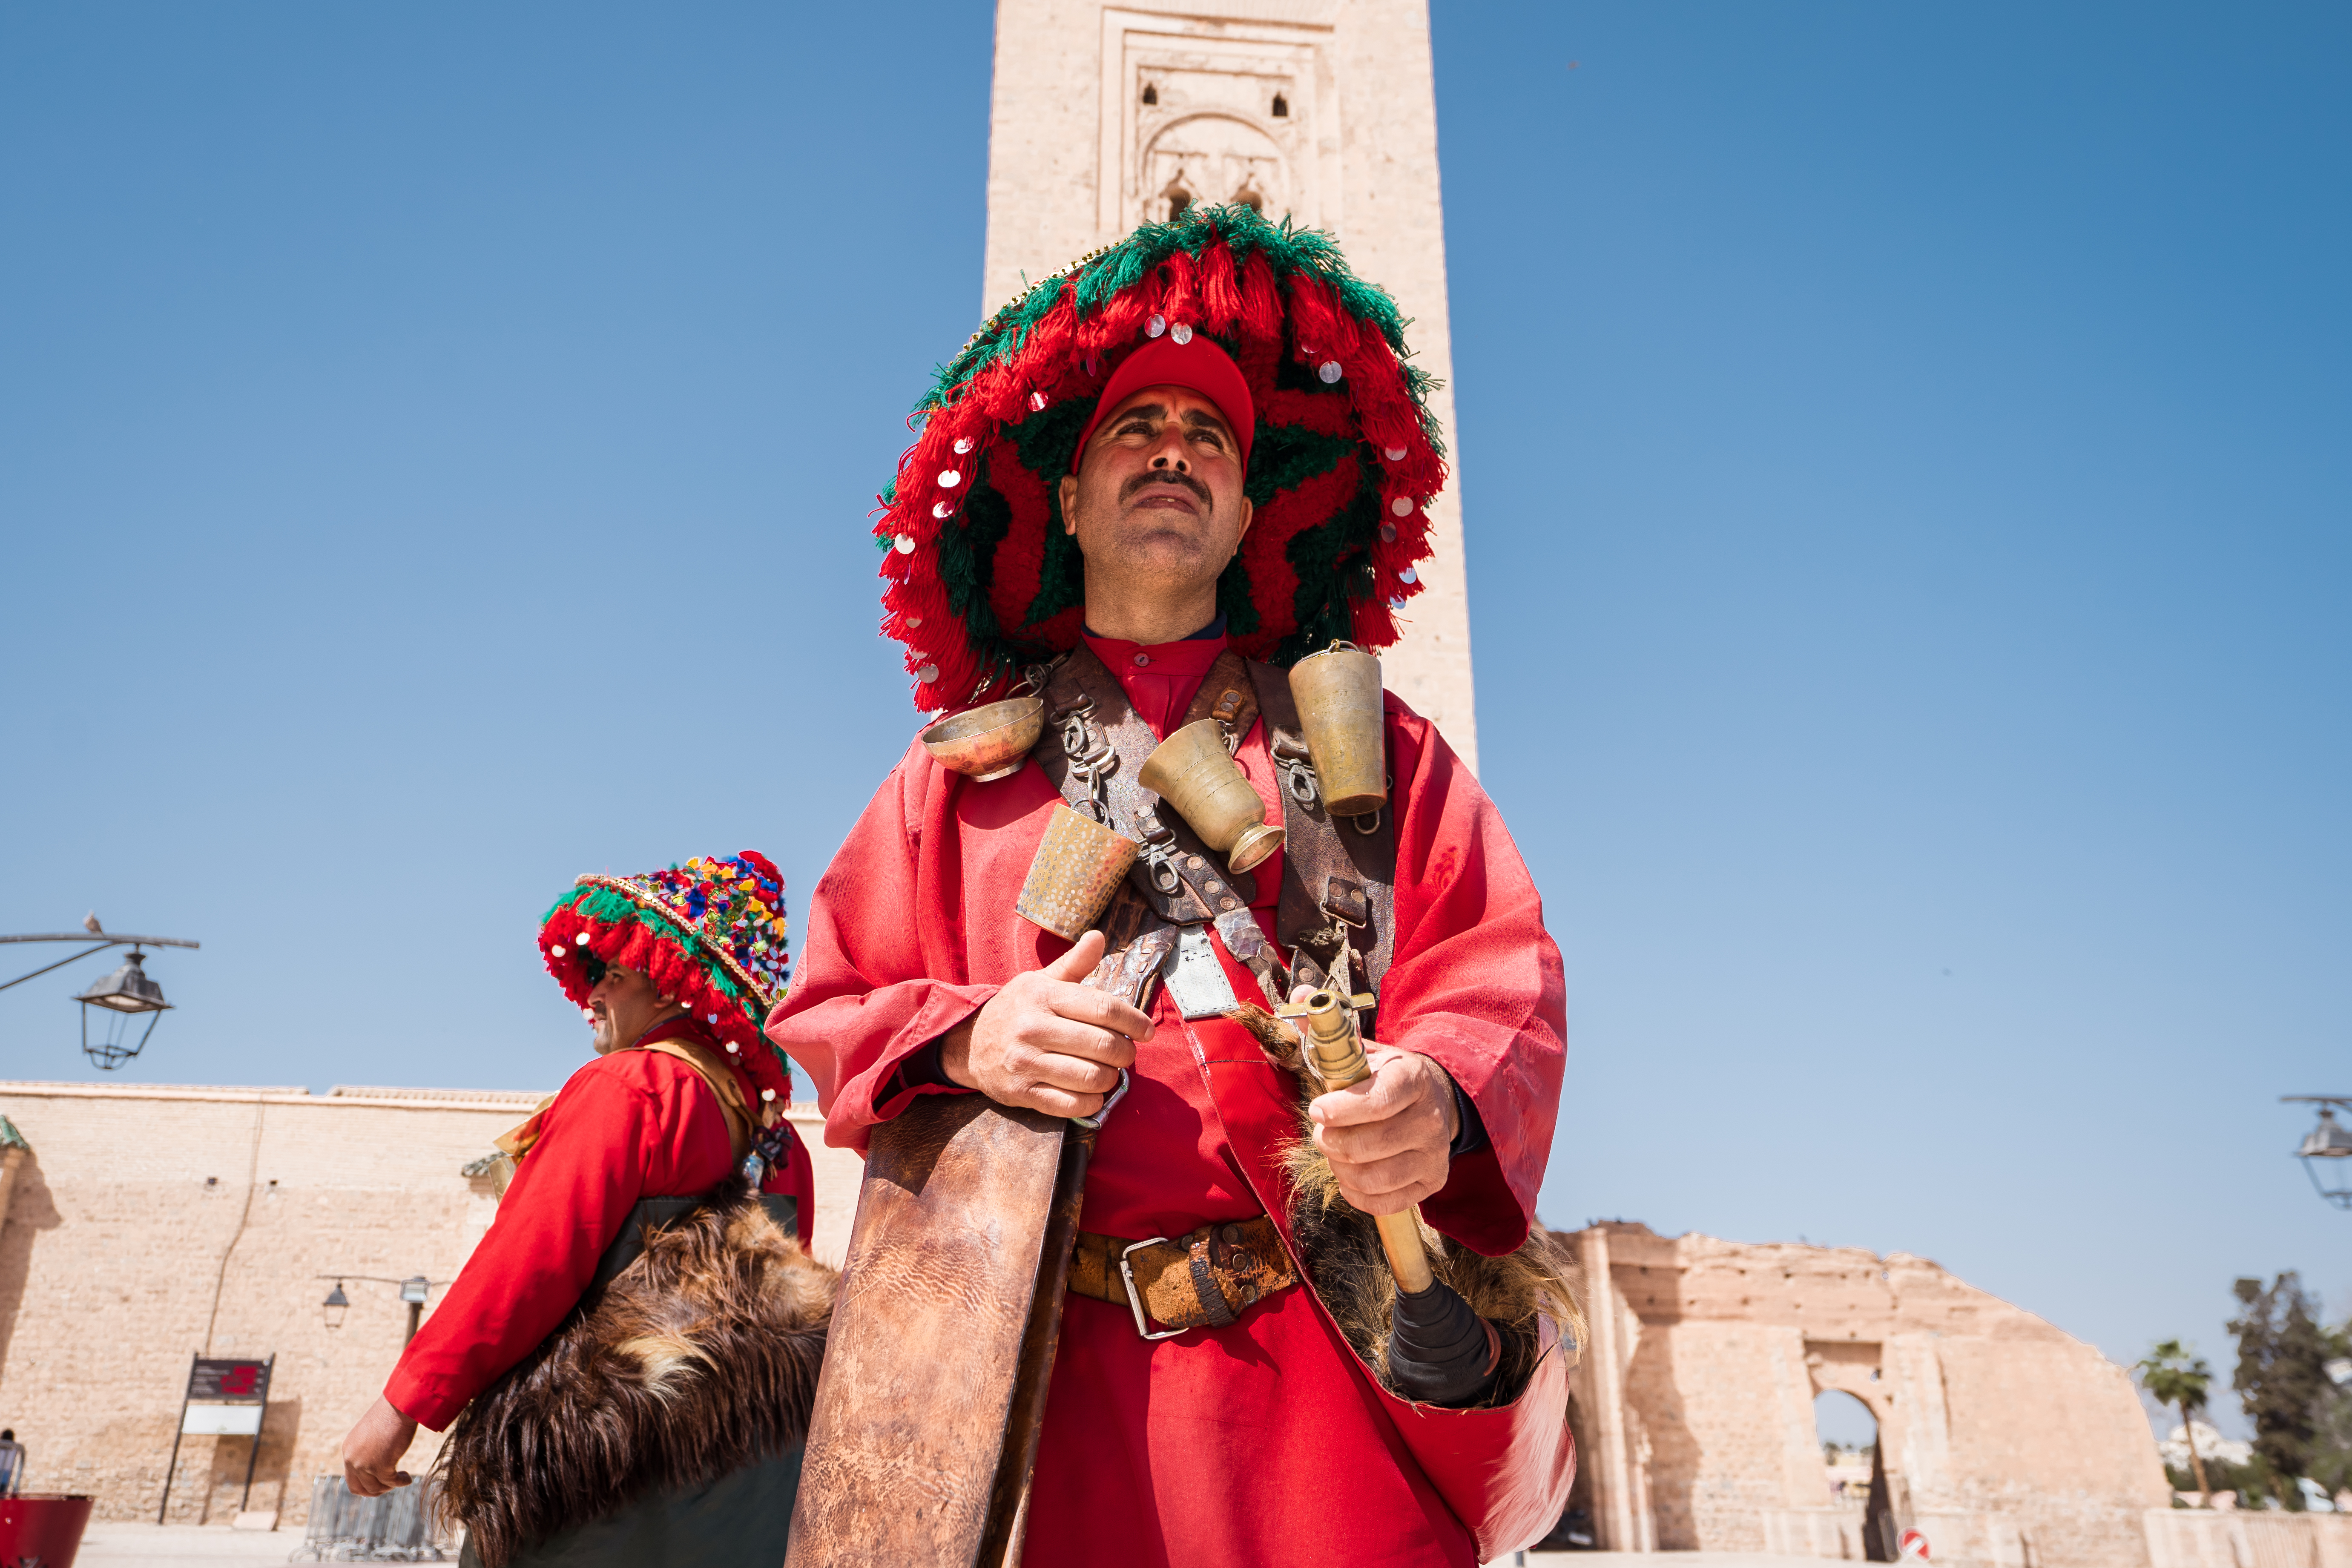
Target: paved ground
x=119, y=1546
x=216, y=1546
x=1667, y=1560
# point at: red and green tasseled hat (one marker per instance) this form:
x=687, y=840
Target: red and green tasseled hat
x=709, y=933
x=1345, y=459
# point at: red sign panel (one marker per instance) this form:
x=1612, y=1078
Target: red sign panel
x=224, y=1381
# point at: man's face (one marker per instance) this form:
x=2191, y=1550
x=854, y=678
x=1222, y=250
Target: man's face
x=1158, y=499
x=622, y=1006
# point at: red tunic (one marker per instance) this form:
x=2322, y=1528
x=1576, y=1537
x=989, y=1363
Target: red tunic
x=634, y=1124
x=1216, y=1446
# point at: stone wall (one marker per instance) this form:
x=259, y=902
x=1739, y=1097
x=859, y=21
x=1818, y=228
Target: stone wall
x=146, y=1225
x=2004, y=1440
x=149, y=1224
x=2195, y=1538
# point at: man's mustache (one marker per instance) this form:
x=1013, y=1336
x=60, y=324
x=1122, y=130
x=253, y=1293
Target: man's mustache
x=1134, y=487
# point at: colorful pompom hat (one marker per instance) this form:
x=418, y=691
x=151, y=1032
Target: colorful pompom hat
x=979, y=577
x=709, y=933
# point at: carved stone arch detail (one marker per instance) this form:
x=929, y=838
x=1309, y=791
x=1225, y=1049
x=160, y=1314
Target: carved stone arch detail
x=1214, y=156
x=1848, y=1367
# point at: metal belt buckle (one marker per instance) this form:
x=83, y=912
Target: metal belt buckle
x=1135, y=1297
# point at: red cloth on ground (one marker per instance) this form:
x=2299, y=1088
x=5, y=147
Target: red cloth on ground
x=1209, y=1442
x=634, y=1124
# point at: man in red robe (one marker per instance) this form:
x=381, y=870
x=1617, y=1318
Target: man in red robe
x=1266, y=1439
x=681, y=1091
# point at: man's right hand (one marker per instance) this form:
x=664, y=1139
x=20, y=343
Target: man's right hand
x=1047, y=1042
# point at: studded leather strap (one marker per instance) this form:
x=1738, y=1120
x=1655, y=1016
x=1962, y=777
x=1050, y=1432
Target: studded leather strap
x=1338, y=881
x=1178, y=877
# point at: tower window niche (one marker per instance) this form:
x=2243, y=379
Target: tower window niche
x=1281, y=107
x=1177, y=195
x=1150, y=92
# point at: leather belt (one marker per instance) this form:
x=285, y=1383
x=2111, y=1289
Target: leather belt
x=1204, y=1280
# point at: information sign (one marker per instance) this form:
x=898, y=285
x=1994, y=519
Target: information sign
x=229, y=1381
x=226, y=1397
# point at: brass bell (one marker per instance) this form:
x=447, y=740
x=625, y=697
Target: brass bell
x=1193, y=771
x=1337, y=693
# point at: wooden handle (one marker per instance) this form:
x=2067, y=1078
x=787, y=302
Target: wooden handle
x=1337, y=1056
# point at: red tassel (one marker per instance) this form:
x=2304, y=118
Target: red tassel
x=1311, y=327
x=1219, y=294
x=1178, y=303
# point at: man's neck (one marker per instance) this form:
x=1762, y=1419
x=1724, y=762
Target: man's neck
x=622, y=1039
x=1148, y=617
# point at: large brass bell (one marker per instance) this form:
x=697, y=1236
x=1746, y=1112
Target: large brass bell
x=1339, y=695
x=1193, y=771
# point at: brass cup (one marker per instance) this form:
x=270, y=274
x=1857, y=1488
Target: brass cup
x=1078, y=866
x=1193, y=771
x=1338, y=697
x=990, y=741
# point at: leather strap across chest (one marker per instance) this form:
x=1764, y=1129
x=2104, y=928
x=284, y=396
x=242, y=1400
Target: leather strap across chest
x=742, y=1125
x=1103, y=743
x=1339, y=879
x=1339, y=875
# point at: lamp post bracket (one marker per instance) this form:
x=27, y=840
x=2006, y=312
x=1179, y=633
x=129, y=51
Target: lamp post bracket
x=105, y=938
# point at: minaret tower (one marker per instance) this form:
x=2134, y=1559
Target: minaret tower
x=1105, y=116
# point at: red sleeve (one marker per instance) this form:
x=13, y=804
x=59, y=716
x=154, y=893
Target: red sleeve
x=1474, y=984
x=880, y=970
x=631, y=1125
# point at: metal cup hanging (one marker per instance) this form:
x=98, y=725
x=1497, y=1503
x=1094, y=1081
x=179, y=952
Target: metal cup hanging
x=1193, y=773
x=1339, y=695
x=1078, y=866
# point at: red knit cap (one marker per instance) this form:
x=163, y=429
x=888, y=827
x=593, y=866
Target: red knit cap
x=1196, y=365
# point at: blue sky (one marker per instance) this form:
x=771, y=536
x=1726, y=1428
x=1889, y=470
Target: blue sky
x=1904, y=453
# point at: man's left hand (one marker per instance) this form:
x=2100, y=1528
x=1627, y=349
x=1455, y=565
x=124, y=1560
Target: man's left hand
x=1389, y=1137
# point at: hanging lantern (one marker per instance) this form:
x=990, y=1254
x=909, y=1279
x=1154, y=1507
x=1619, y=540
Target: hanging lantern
x=336, y=1305
x=125, y=995
x=2327, y=1155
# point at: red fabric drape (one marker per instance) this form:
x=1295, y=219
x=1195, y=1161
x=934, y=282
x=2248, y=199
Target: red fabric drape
x=635, y=1124
x=1201, y=1448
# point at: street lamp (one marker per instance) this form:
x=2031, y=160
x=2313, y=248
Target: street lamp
x=2327, y=1150
x=126, y=994
x=414, y=1290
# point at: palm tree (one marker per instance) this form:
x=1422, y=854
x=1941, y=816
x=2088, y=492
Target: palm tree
x=2173, y=1376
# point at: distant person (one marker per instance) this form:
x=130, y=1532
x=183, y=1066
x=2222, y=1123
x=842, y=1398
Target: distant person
x=12, y=1462
x=626, y=1364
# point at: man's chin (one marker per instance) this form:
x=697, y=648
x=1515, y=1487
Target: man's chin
x=1176, y=546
